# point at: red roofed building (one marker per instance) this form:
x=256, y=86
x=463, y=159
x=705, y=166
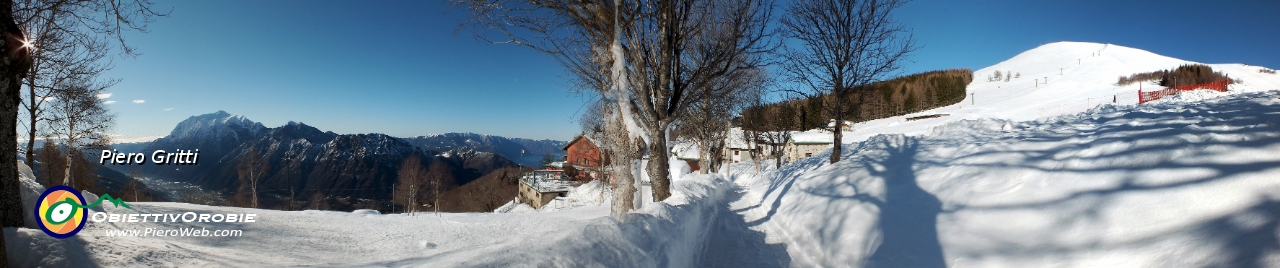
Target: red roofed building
x=583, y=155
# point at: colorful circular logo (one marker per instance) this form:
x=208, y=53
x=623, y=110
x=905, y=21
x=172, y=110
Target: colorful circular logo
x=60, y=212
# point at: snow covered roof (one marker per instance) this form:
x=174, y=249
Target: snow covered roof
x=811, y=137
x=685, y=150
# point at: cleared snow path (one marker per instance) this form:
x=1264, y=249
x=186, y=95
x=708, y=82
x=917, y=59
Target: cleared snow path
x=732, y=242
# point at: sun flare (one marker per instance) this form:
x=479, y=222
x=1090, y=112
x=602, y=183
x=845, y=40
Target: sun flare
x=28, y=44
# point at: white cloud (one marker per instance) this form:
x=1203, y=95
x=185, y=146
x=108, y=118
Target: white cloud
x=168, y=109
x=104, y=95
x=139, y=101
x=109, y=102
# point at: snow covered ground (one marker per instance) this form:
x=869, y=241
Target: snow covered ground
x=1017, y=176
x=1170, y=184
x=286, y=238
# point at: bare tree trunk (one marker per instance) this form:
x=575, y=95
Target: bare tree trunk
x=659, y=167
x=253, y=187
x=31, y=133
x=66, y=179
x=14, y=63
x=837, y=136
x=704, y=156
x=624, y=189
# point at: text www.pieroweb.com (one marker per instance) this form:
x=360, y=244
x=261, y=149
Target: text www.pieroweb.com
x=180, y=232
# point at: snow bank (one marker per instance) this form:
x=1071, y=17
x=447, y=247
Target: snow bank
x=590, y=193
x=31, y=190
x=665, y=234
x=679, y=168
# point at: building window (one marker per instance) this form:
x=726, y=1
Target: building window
x=735, y=152
x=808, y=154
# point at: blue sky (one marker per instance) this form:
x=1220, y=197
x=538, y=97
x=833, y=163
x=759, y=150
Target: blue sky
x=397, y=67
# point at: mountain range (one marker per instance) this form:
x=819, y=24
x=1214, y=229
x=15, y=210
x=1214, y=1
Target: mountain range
x=310, y=161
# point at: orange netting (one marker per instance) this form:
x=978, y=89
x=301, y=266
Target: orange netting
x=1144, y=97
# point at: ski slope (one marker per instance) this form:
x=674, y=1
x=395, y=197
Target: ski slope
x=1077, y=81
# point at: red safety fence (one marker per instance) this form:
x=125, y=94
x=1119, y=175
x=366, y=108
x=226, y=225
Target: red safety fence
x=1144, y=97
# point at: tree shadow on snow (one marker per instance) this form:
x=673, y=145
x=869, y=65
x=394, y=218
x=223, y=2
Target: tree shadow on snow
x=907, y=224
x=908, y=215
x=779, y=188
x=1247, y=237
x=1129, y=145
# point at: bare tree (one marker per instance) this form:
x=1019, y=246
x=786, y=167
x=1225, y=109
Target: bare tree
x=318, y=201
x=107, y=17
x=53, y=163
x=623, y=149
x=61, y=54
x=439, y=177
x=252, y=168
x=662, y=55
x=80, y=119
x=16, y=61
x=707, y=123
x=842, y=45
x=132, y=189
x=777, y=123
x=410, y=184
x=706, y=126
x=547, y=158
x=601, y=122
x=84, y=175
x=768, y=126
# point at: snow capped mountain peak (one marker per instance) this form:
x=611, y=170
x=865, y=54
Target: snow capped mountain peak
x=217, y=123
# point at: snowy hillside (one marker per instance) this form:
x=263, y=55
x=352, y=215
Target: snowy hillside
x=1077, y=81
